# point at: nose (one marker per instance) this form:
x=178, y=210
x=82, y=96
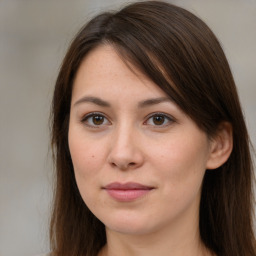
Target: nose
x=125, y=151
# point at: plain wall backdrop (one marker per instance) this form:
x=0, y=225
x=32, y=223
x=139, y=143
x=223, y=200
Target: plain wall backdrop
x=34, y=35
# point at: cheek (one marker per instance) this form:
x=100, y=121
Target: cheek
x=86, y=162
x=84, y=154
x=83, y=159
x=181, y=163
x=86, y=165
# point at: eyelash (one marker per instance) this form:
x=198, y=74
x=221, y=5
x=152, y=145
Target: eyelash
x=91, y=115
x=167, y=120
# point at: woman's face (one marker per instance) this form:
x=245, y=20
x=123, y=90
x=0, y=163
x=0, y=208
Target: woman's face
x=138, y=159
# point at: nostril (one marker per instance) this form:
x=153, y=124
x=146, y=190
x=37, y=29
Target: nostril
x=113, y=164
x=123, y=166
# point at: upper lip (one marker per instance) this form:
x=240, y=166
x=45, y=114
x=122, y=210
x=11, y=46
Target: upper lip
x=127, y=186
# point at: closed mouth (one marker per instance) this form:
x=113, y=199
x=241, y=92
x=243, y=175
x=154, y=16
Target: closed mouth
x=127, y=186
x=127, y=192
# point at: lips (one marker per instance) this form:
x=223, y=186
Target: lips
x=127, y=186
x=126, y=192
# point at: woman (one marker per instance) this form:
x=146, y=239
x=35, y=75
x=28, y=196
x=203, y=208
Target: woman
x=151, y=148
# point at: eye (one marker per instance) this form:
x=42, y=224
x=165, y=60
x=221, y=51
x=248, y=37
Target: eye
x=95, y=120
x=159, y=119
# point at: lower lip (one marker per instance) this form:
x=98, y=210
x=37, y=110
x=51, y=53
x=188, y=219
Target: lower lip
x=127, y=195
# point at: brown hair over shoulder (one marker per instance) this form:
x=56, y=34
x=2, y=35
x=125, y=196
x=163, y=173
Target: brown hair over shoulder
x=180, y=54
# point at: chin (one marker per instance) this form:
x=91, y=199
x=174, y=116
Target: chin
x=129, y=229
x=129, y=225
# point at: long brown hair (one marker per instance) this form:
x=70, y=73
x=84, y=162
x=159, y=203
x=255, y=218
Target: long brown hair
x=177, y=51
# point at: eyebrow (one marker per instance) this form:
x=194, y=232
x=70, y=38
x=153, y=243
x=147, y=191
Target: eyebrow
x=153, y=101
x=103, y=103
x=94, y=100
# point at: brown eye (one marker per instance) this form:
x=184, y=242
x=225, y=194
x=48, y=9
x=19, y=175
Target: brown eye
x=95, y=120
x=161, y=120
x=158, y=120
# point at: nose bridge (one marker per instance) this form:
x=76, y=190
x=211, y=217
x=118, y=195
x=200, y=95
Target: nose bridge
x=125, y=152
x=123, y=139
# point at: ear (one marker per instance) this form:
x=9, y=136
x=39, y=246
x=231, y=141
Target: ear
x=221, y=146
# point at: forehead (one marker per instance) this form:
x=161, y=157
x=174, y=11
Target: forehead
x=105, y=73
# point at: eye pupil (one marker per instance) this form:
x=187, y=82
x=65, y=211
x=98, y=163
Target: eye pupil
x=98, y=120
x=158, y=120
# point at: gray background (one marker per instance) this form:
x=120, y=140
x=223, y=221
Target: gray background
x=34, y=35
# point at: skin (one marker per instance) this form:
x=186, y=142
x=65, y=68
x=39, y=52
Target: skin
x=122, y=142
